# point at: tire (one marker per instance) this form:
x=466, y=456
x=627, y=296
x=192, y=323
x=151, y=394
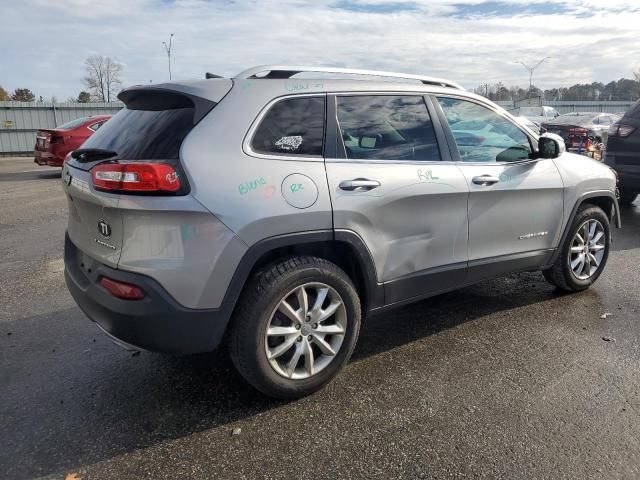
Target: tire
x=260, y=309
x=627, y=197
x=562, y=273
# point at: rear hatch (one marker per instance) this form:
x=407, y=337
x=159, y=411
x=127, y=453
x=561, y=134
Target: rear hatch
x=623, y=145
x=148, y=131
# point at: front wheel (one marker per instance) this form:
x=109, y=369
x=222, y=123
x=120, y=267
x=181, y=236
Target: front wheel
x=296, y=325
x=584, y=253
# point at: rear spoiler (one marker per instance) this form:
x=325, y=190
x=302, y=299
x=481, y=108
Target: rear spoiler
x=154, y=98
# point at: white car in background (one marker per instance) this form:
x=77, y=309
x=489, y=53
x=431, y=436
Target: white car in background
x=538, y=115
x=535, y=127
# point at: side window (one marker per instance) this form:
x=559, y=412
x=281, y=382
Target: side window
x=482, y=135
x=386, y=127
x=95, y=126
x=294, y=126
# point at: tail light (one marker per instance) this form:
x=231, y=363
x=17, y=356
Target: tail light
x=123, y=290
x=135, y=177
x=621, y=130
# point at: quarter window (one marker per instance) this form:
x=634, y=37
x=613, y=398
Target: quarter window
x=294, y=126
x=386, y=127
x=482, y=135
x=95, y=126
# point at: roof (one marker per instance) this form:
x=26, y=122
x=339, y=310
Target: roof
x=288, y=71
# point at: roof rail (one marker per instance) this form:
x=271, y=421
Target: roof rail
x=288, y=71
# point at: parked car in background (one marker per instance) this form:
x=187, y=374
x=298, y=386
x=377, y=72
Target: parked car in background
x=582, y=131
x=623, y=153
x=531, y=125
x=538, y=114
x=320, y=202
x=53, y=145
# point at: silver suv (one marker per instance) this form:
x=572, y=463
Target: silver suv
x=274, y=212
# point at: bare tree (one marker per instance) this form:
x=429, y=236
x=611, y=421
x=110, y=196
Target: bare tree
x=103, y=77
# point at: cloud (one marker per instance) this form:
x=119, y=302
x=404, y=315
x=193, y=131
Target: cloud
x=469, y=41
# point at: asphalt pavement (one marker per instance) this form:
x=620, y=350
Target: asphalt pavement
x=505, y=379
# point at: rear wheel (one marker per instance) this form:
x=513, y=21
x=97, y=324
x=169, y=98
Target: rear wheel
x=584, y=253
x=296, y=325
x=627, y=197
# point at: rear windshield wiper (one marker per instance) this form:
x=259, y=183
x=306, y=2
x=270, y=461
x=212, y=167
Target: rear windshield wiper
x=87, y=154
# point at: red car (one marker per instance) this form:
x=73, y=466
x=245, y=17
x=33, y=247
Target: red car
x=53, y=145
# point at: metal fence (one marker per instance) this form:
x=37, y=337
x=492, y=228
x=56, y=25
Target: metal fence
x=575, y=106
x=19, y=121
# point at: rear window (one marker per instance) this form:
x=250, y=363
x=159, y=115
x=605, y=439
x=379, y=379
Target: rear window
x=73, y=123
x=634, y=111
x=294, y=126
x=144, y=134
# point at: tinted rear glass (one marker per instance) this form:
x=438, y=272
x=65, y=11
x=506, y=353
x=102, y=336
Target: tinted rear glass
x=144, y=134
x=294, y=126
x=634, y=111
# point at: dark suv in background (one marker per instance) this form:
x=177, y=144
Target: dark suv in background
x=623, y=153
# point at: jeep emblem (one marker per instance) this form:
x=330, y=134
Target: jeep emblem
x=104, y=229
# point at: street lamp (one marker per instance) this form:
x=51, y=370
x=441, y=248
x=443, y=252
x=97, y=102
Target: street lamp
x=531, y=70
x=168, y=49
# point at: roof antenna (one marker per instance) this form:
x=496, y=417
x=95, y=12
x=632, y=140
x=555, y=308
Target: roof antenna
x=211, y=75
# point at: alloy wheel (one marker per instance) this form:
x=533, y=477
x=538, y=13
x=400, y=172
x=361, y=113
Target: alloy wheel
x=305, y=331
x=587, y=249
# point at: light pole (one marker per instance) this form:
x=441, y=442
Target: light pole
x=531, y=70
x=168, y=49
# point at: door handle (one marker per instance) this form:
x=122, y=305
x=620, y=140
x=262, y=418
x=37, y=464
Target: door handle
x=359, y=185
x=485, y=180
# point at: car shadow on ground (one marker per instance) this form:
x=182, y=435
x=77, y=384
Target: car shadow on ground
x=97, y=401
x=630, y=216
x=30, y=175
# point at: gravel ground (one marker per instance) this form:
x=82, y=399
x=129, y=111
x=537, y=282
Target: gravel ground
x=506, y=379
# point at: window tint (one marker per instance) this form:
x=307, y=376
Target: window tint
x=294, y=126
x=482, y=135
x=144, y=134
x=634, y=111
x=384, y=127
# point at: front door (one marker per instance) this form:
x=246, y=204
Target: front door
x=515, y=202
x=389, y=185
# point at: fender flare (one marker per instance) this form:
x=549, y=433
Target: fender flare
x=374, y=292
x=614, y=215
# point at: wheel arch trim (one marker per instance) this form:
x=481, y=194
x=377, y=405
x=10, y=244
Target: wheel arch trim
x=584, y=198
x=374, y=292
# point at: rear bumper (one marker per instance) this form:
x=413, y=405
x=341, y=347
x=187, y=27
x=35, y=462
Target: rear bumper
x=156, y=323
x=628, y=169
x=47, y=158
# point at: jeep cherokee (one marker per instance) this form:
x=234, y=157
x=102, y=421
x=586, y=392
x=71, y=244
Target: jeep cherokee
x=273, y=212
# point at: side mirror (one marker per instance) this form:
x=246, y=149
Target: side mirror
x=550, y=145
x=543, y=130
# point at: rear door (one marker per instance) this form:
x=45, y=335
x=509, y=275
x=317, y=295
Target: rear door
x=515, y=203
x=389, y=185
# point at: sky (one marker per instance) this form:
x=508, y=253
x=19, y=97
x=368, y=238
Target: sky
x=469, y=41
